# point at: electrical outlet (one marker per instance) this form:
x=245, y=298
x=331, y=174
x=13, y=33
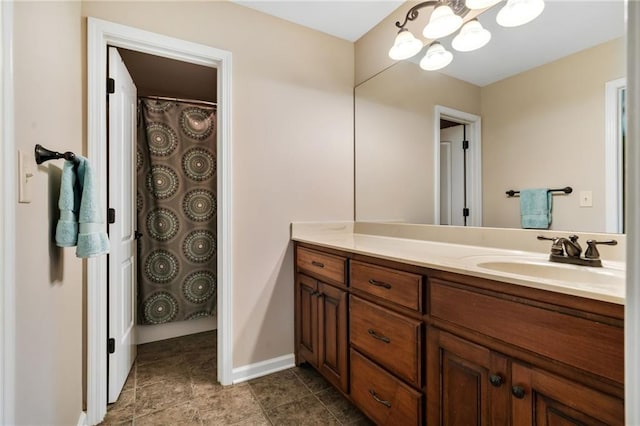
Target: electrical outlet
x=586, y=199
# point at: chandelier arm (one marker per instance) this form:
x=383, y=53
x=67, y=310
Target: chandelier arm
x=457, y=5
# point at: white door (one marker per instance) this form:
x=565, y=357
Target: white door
x=452, y=188
x=122, y=267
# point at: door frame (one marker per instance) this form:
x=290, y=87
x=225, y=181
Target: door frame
x=100, y=34
x=474, y=200
x=613, y=156
x=8, y=184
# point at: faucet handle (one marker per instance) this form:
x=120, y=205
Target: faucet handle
x=556, y=247
x=592, y=251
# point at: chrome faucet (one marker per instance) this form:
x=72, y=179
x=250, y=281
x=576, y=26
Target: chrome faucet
x=568, y=250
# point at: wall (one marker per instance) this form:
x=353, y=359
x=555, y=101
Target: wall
x=49, y=310
x=545, y=128
x=394, y=144
x=292, y=146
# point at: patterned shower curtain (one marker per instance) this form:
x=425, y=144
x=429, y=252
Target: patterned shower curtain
x=176, y=205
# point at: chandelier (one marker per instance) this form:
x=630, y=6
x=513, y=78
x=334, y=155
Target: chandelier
x=447, y=18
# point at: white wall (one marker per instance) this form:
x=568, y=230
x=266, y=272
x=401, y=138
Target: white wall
x=49, y=280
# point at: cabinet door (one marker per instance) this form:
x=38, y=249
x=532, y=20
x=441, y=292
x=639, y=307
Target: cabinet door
x=540, y=398
x=307, y=320
x=467, y=384
x=332, y=334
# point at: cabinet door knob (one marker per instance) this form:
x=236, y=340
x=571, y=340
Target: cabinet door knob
x=381, y=401
x=375, y=335
x=314, y=292
x=518, y=392
x=379, y=283
x=318, y=264
x=495, y=380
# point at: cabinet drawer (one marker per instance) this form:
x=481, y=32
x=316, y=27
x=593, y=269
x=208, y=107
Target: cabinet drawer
x=392, y=340
x=322, y=265
x=577, y=341
x=382, y=397
x=399, y=287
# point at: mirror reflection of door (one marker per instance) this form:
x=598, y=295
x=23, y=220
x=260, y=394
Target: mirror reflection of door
x=454, y=176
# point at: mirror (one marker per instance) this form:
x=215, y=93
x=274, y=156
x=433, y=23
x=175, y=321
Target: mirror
x=541, y=106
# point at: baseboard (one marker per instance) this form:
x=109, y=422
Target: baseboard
x=262, y=368
x=154, y=333
x=82, y=420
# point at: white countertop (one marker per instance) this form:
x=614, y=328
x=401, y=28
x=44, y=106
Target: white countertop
x=604, y=284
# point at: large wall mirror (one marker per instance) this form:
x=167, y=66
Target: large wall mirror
x=541, y=105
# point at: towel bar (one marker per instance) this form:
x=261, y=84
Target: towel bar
x=43, y=154
x=566, y=190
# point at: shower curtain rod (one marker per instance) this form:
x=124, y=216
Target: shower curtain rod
x=166, y=98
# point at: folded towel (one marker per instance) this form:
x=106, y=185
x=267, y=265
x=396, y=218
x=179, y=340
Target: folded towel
x=81, y=221
x=535, y=208
x=69, y=205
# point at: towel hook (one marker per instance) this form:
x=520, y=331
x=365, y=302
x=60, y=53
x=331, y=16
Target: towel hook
x=43, y=154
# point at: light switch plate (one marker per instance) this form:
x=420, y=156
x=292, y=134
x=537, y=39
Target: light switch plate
x=586, y=199
x=25, y=174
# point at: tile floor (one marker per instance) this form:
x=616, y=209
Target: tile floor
x=173, y=382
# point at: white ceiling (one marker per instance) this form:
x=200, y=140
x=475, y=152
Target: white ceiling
x=346, y=19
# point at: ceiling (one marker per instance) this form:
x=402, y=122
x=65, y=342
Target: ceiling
x=565, y=27
x=346, y=19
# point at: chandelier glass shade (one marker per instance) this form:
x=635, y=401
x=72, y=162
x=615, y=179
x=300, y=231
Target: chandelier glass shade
x=442, y=23
x=405, y=46
x=519, y=12
x=437, y=57
x=471, y=37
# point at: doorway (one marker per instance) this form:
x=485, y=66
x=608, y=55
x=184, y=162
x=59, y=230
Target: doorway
x=100, y=35
x=457, y=168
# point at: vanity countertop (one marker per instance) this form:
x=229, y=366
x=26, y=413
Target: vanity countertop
x=526, y=268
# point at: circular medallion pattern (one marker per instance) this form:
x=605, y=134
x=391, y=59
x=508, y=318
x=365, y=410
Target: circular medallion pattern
x=161, y=138
x=161, y=266
x=199, y=205
x=199, y=246
x=199, y=314
x=139, y=160
x=162, y=224
x=162, y=182
x=139, y=202
x=197, y=123
x=160, y=307
x=199, y=164
x=156, y=105
x=199, y=286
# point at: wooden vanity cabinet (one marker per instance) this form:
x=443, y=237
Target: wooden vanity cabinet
x=529, y=358
x=321, y=319
x=416, y=346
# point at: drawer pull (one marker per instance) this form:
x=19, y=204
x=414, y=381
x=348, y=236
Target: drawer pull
x=379, y=283
x=373, y=334
x=381, y=401
x=495, y=380
x=318, y=264
x=518, y=392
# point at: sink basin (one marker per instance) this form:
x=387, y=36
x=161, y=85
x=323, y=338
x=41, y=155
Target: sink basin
x=555, y=271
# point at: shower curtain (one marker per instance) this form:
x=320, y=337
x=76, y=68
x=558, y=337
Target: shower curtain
x=176, y=206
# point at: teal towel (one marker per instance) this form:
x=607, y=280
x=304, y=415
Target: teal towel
x=535, y=208
x=69, y=205
x=81, y=222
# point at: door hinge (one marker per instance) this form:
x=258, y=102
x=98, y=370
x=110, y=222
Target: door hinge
x=111, y=86
x=465, y=212
x=111, y=215
x=111, y=345
x=465, y=144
